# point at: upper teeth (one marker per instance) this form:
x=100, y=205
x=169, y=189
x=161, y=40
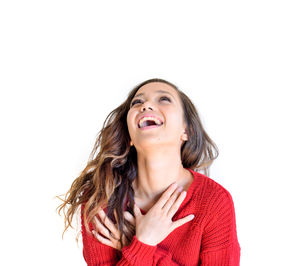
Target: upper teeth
x=157, y=122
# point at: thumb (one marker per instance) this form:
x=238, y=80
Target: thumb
x=136, y=210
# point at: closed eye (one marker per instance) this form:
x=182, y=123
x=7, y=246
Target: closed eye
x=135, y=101
x=165, y=98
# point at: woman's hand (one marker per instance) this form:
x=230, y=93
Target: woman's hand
x=108, y=229
x=151, y=228
x=157, y=224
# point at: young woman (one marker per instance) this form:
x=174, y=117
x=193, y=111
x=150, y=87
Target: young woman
x=142, y=200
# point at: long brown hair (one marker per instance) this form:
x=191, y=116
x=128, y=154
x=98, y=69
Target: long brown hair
x=106, y=180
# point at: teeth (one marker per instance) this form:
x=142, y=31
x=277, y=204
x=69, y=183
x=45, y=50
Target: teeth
x=157, y=122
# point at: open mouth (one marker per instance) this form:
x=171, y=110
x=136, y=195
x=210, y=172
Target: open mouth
x=149, y=126
x=149, y=122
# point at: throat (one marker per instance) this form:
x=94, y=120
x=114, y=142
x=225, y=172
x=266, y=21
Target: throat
x=145, y=204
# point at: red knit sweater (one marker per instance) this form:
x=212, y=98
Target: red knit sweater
x=209, y=239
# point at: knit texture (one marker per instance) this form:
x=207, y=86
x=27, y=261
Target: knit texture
x=209, y=239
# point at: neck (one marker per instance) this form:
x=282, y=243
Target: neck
x=157, y=170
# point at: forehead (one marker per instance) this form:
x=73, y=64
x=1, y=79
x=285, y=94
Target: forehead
x=156, y=87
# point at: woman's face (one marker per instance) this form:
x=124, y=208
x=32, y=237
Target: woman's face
x=161, y=101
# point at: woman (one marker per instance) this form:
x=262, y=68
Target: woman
x=142, y=200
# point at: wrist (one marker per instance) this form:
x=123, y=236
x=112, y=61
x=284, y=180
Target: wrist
x=139, y=252
x=146, y=240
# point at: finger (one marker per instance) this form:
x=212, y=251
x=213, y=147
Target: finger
x=174, y=208
x=101, y=228
x=127, y=231
x=166, y=195
x=129, y=217
x=108, y=223
x=136, y=210
x=102, y=239
x=172, y=199
x=182, y=221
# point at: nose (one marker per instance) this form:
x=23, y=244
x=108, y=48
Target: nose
x=145, y=106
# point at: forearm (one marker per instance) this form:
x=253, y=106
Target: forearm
x=226, y=256
x=136, y=253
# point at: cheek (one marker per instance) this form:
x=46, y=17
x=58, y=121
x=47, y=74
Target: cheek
x=175, y=126
x=175, y=120
x=130, y=120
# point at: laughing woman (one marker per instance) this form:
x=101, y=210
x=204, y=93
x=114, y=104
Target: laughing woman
x=142, y=199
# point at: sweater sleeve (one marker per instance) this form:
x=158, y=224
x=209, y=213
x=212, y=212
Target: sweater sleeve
x=136, y=253
x=220, y=244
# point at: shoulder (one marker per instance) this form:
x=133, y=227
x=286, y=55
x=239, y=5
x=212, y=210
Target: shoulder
x=210, y=193
x=205, y=183
x=216, y=216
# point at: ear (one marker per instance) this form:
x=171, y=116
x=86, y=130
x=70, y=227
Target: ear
x=131, y=143
x=184, y=136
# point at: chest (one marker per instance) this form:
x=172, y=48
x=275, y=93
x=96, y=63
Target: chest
x=184, y=244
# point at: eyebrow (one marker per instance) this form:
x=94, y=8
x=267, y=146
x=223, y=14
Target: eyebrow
x=158, y=91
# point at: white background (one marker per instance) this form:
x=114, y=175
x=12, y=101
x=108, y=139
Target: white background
x=65, y=65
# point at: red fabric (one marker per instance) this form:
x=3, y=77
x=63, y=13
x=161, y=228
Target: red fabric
x=209, y=239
